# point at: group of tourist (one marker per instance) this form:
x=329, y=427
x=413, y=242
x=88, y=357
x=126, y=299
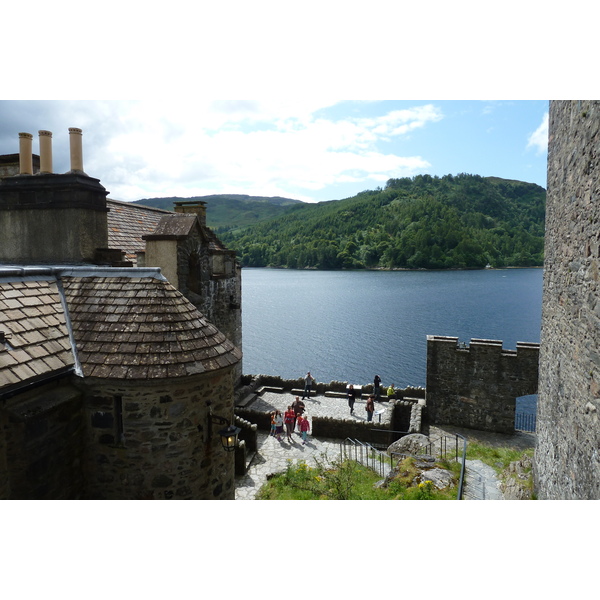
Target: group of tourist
x=292, y=418
x=369, y=407
x=376, y=395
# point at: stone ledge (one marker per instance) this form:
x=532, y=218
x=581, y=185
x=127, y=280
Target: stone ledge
x=297, y=392
x=269, y=388
x=247, y=400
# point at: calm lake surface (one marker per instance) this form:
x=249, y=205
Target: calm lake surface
x=351, y=325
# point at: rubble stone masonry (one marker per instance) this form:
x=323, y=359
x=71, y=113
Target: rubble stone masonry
x=150, y=441
x=567, y=462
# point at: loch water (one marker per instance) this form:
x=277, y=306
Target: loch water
x=351, y=325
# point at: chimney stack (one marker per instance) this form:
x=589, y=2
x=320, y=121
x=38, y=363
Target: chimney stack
x=196, y=207
x=45, y=151
x=75, y=136
x=25, y=155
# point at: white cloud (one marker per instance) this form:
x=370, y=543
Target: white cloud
x=150, y=149
x=539, y=138
x=144, y=149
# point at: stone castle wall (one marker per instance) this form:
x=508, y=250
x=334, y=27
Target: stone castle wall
x=567, y=456
x=4, y=473
x=43, y=442
x=165, y=452
x=477, y=386
x=122, y=440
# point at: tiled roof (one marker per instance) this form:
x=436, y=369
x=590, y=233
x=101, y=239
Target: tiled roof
x=128, y=325
x=142, y=328
x=175, y=225
x=214, y=243
x=128, y=222
x=32, y=322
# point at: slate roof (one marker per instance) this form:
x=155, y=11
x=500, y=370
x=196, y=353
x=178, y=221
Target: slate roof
x=175, y=226
x=127, y=327
x=128, y=222
x=125, y=324
x=36, y=337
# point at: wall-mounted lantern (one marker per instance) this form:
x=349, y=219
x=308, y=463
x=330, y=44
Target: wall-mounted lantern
x=228, y=433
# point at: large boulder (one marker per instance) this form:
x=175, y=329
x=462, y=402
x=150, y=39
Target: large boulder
x=441, y=478
x=414, y=443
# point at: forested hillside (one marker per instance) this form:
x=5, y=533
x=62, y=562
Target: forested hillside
x=230, y=210
x=461, y=221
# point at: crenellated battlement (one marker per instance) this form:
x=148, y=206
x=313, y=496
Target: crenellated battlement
x=484, y=345
x=476, y=385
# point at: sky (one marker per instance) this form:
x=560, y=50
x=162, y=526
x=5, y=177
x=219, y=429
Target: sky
x=306, y=149
x=312, y=102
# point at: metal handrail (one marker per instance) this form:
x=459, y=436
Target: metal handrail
x=443, y=446
x=364, y=448
x=463, y=466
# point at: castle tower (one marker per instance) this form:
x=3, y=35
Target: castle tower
x=567, y=455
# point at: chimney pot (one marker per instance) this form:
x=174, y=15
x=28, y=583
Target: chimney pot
x=75, y=139
x=25, y=155
x=45, y=151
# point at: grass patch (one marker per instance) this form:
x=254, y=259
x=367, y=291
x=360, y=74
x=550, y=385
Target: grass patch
x=500, y=458
x=349, y=480
x=497, y=458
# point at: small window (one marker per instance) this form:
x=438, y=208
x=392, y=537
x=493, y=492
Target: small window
x=119, y=429
x=218, y=264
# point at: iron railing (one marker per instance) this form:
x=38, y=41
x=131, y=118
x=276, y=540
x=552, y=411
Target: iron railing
x=445, y=447
x=525, y=422
x=367, y=455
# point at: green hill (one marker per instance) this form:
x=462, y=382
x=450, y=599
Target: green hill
x=461, y=221
x=224, y=211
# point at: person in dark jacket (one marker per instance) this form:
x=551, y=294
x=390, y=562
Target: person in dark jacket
x=351, y=398
x=298, y=408
x=370, y=407
x=376, y=386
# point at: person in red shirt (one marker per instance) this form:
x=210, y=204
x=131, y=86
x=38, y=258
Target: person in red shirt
x=304, y=427
x=289, y=419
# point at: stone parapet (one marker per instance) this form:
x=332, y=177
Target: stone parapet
x=476, y=385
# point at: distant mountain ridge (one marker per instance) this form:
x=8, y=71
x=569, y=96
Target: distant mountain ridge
x=230, y=210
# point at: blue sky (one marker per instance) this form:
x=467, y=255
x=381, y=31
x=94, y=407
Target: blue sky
x=306, y=149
